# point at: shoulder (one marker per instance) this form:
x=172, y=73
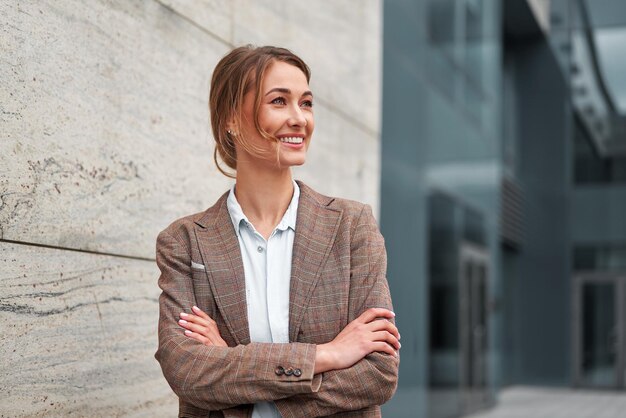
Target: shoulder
x=352, y=211
x=357, y=230
x=181, y=229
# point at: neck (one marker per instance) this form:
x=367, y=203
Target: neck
x=264, y=195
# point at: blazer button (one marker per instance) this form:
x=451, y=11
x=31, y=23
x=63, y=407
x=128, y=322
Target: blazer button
x=288, y=371
x=279, y=371
x=297, y=372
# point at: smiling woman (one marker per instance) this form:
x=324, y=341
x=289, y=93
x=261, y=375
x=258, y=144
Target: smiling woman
x=237, y=106
x=284, y=114
x=274, y=300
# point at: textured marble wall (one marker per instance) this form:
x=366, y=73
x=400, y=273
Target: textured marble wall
x=78, y=335
x=105, y=139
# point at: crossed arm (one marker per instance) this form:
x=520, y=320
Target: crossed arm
x=342, y=361
x=366, y=334
x=356, y=370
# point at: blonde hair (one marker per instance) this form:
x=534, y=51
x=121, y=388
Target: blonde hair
x=240, y=71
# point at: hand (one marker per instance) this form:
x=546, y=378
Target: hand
x=370, y=332
x=201, y=327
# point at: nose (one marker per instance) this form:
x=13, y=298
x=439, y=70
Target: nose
x=296, y=117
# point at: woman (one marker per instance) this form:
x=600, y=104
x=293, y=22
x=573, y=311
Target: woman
x=274, y=300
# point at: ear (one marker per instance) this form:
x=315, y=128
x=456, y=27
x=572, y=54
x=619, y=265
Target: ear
x=231, y=127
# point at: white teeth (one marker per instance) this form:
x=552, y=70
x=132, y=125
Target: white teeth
x=292, y=140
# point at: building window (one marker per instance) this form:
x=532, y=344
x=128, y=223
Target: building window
x=609, y=257
x=591, y=168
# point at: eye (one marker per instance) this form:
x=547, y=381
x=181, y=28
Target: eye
x=279, y=101
x=307, y=103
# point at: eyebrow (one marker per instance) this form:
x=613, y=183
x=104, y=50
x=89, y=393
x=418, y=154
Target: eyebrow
x=287, y=91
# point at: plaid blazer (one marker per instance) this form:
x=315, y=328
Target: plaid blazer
x=338, y=271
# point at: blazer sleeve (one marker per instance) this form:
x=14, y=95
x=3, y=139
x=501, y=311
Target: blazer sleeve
x=373, y=380
x=216, y=378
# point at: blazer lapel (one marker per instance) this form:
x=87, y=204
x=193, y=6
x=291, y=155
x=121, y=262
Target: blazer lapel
x=221, y=255
x=316, y=228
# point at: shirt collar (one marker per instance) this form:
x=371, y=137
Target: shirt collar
x=289, y=218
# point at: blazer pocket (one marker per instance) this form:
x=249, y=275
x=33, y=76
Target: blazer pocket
x=197, y=266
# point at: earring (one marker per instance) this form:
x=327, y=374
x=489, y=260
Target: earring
x=230, y=132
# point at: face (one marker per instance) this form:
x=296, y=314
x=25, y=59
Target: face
x=286, y=112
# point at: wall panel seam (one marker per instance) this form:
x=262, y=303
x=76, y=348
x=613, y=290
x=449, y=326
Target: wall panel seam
x=78, y=250
x=194, y=24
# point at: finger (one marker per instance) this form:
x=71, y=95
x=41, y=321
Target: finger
x=197, y=328
x=199, y=320
x=206, y=327
x=198, y=337
x=213, y=337
x=373, y=313
x=201, y=313
x=382, y=347
x=383, y=325
x=387, y=337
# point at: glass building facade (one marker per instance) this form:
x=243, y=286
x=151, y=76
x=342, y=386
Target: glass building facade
x=502, y=198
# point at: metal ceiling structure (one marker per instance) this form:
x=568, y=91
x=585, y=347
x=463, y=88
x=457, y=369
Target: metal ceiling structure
x=598, y=69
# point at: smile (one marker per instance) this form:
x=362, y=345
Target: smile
x=292, y=140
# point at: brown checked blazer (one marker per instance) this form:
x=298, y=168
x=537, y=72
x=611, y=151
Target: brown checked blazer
x=338, y=271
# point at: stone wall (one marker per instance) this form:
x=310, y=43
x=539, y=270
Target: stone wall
x=105, y=139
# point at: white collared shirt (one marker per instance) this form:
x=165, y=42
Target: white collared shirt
x=267, y=269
